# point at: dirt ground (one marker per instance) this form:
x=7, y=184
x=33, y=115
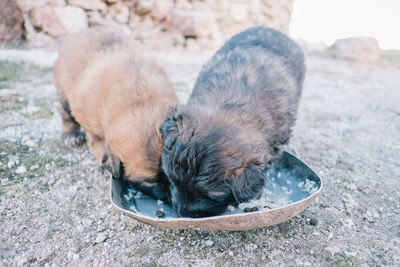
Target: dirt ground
x=55, y=208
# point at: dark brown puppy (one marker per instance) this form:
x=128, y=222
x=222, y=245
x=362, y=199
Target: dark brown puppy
x=120, y=95
x=242, y=109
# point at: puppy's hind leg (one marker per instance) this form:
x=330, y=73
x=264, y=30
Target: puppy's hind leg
x=70, y=133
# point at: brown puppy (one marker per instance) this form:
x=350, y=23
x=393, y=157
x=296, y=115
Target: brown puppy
x=120, y=95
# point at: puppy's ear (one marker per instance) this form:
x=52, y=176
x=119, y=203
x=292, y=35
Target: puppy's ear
x=113, y=165
x=247, y=184
x=169, y=129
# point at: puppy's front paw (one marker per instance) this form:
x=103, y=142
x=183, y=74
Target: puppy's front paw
x=73, y=139
x=112, y=164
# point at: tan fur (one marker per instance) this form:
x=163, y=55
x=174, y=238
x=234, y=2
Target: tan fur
x=119, y=94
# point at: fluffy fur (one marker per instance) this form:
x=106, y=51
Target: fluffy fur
x=119, y=94
x=242, y=109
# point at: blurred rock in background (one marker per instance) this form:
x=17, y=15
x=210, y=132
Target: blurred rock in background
x=196, y=24
x=360, y=49
x=11, y=21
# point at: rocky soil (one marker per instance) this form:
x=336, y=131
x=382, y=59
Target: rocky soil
x=55, y=208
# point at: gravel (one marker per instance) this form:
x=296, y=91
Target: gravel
x=314, y=221
x=55, y=208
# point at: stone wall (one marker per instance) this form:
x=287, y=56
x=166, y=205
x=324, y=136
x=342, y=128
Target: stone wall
x=160, y=24
x=11, y=21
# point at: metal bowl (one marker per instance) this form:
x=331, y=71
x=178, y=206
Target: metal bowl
x=286, y=180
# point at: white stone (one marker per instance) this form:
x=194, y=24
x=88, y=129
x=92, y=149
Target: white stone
x=60, y=20
x=120, y=12
x=239, y=12
x=101, y=237
x=162, y=10
x=360, y=49
x=86, y=221
x=352, y=187
x=349, y=223
x=10, y=164
x=20, y=170
x=72, y=18
x=196, y=24
x=144, y=7
x=375, y=214
x=34, y=38
x=44, y=18
x=209, y=243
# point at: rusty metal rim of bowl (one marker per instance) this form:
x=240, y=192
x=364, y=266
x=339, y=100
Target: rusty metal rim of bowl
x=237, y=215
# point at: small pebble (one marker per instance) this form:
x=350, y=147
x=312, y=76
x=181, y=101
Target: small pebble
x=86, y=221
x=10, y=164
x=231, y=208
x=248, y=209
x=159, y=213
x=313, y=221
x=101, y=237
x=209, y=243
x=20, y=170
